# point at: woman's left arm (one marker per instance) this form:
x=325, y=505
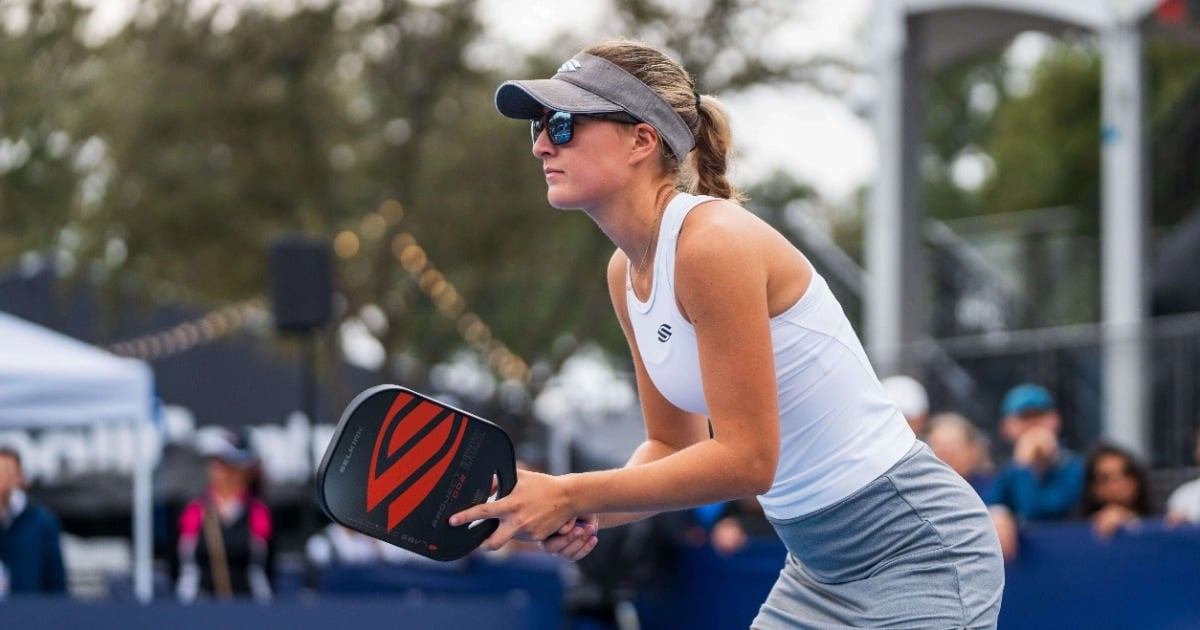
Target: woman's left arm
x=723, y=278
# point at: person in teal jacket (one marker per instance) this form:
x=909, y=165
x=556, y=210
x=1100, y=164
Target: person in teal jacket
x=1042, y=481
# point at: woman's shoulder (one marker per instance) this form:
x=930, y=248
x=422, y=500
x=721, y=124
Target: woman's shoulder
x=714, y=219
x=720, y=230
x=41, y=514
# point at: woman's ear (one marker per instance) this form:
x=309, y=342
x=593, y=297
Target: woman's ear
x=646, y=142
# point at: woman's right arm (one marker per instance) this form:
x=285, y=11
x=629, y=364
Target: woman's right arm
x=669, y=429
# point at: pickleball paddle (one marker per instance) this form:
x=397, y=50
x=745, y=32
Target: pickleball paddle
x=401, y=463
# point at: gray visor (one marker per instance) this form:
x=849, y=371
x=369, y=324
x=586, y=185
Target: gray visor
x=587, y=84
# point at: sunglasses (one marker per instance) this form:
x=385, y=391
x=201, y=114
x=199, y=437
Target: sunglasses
x=560, y=126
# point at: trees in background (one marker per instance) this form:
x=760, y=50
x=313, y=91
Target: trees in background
x=173, y=150
x=1036, y=142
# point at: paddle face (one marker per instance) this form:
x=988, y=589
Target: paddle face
x=400, y=464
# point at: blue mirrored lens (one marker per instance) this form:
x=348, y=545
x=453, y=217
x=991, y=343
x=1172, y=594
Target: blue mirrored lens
x=561, y=127
x=558, y=125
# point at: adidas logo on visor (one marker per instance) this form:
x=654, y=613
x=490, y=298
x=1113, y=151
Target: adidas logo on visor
x=570, y=66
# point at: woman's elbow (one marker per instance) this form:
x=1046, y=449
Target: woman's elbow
x=751, y=466
x=759, y=475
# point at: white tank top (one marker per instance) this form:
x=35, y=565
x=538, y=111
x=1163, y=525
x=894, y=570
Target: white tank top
x=838, y=430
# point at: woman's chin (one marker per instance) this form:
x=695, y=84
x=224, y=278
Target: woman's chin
x=562, y=202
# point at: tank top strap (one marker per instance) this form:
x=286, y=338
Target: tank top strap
x=668, y=235
x=676, y=211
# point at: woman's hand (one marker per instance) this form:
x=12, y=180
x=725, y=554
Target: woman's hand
x=537, y=508
x=574, y=540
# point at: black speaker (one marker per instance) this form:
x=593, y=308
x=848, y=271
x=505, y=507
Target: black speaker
x=301, y=283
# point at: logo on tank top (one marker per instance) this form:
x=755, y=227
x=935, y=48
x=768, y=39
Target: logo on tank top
x=664, y=332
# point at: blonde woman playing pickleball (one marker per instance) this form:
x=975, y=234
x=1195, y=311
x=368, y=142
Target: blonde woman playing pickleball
x=727, y=321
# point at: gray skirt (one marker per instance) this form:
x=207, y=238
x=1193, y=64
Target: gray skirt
x=914, y=548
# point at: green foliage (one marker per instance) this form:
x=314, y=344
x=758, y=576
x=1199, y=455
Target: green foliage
x=1045, y=149
x=1173, y=79
x=177, y=150
x=1046, y=143
x=43, y=75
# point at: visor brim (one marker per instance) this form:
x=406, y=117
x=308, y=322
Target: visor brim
x=528, y=99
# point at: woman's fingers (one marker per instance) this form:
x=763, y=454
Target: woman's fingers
x=573, y=546
x=484, y=510
x=577, y=549
x=534, y=511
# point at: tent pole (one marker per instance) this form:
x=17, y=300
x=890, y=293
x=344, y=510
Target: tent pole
x=143, y=586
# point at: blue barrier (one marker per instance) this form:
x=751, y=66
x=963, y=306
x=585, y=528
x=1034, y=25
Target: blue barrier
x=1063, y=578
x=529, y=585
x=339, y=613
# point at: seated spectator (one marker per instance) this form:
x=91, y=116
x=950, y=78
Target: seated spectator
x=1116, y=494
x=225, y=534
x=30, y=549
x=957, y=441
x=910, y=396
x=1183, y=505
x=740, y=521
x=1042, y=481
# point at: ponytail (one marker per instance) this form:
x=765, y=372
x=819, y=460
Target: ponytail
x=704, y=170
x=709, y=162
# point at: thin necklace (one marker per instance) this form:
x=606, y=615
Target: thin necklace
x=650, y=241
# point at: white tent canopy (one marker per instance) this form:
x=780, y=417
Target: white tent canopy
x=50, y=380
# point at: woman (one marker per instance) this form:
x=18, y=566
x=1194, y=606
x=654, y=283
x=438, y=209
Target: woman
x=1116, y=494
x=225, y=534
x=726, y=321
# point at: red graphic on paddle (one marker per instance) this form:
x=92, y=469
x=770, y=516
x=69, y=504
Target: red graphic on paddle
x=408, y=453
x=401, y=463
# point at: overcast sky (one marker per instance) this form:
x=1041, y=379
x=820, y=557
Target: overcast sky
x=816, y=137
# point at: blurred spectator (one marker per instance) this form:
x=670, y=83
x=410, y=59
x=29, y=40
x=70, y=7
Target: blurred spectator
x=225, y=534
x=740, y=521
x=908, y=394
x=958, y=442
x=1042, y=481
x=30, y=550
x=1183, y=506
x=1116, y=493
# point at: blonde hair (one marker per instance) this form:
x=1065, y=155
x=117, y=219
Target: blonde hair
x=705, y=170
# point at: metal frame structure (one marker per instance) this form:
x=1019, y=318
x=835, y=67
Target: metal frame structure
x=909, y=38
